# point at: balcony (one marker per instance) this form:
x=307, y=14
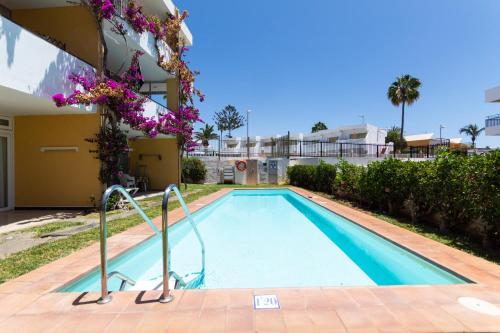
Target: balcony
x=152, y=109
x=492, y=125
x=492, y=95
x=122, y=48
x=27, y=82
x=32, y=70
x=160, y=8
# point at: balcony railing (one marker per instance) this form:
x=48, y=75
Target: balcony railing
x=492, y=121
x=154, y=109
x=34, y=66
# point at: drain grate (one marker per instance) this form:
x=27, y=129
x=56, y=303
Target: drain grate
x=265, y=302
x=479, y=305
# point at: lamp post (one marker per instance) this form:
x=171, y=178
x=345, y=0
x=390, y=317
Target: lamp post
x=362, y=116
x=440, y=132
x=248, y=137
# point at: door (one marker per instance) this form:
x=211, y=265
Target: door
x=252, y=170
x=6, y=186
x=273, y=171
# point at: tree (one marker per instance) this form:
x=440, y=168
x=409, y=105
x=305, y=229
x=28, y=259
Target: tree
x=404, y=91
x=319, y=126
x=221, y=126
x=232, y=119
x=205, y=135
x=394, y=135
x=473, y=131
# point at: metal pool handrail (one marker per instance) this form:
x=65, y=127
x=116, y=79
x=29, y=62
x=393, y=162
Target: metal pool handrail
x=165, y=296
x=105, y=297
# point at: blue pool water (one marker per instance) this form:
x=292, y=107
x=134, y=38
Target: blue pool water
x=273, y=238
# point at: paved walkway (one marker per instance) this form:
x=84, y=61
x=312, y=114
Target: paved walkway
x=30, y=303
x=15, y=220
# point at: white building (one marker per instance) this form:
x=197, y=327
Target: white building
x=264, y=145
x=362, y=134
x=492, y=123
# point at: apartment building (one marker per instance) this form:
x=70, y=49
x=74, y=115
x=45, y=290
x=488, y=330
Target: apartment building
x=45, y=160
x=356, y=134
x=492, y=123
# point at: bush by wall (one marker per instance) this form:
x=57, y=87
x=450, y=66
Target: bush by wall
x=460, y=190
x=193, y=170
x=311, y=177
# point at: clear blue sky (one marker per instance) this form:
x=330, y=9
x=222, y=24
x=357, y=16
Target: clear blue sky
x=297, y=62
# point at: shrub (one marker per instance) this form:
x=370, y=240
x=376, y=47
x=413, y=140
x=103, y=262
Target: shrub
x=193, y=170
x=450, y=187
x=484, y=190
x=302, y=176
x=347, y=181
x=462, y=189
x=324, y=177
x=420, y=178
x=316, y=178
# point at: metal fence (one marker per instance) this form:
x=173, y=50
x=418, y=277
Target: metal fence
x=286, y=147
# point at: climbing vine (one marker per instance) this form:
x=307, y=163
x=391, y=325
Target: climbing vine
x=119, y=96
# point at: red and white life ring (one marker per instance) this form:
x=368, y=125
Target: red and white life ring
x=241, y=165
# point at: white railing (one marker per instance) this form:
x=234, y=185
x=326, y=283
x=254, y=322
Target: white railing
x=120, y=54
x=492, y=125
x=31, y=65
x=492, y=121
x=153, y=109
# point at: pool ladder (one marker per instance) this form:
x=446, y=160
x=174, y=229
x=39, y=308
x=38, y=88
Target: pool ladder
x=166, y=297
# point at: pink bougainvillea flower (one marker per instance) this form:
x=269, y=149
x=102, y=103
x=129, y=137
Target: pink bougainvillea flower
x=59, y=99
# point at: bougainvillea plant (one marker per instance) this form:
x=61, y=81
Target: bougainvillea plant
x=111, y=143
x=119, y=96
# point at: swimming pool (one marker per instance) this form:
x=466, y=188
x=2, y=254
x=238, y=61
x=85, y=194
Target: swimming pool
x=273, y=238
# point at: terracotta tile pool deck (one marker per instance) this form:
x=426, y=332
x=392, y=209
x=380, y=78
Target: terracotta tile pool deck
x=30, y=303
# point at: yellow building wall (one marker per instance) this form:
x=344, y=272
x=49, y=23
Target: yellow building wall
x=74, y=26
x=55, y=179
x=161, y=173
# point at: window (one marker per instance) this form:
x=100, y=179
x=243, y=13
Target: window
x=357, y=135
x=5, y=123
x=333, y=139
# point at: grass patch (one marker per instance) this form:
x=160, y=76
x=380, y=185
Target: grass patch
x=457, y=241
x=25, y=261
x=51, y=227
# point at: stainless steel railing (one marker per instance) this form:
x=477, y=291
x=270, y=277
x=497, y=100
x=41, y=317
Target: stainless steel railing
x=105, y=297
x=166, y=297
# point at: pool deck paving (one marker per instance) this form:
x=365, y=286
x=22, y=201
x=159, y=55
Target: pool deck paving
x=31, y=302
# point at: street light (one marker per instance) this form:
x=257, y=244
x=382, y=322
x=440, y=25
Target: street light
x=362, y=116
x=248, y=137
x=440, y=131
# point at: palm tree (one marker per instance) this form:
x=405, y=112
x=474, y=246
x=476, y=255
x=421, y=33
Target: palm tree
x=205, y=135
x=404, y=91
x=473, y=131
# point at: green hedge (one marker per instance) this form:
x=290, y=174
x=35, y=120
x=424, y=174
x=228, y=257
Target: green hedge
x=459, y=189
x=316, y=178
x=193, y=170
